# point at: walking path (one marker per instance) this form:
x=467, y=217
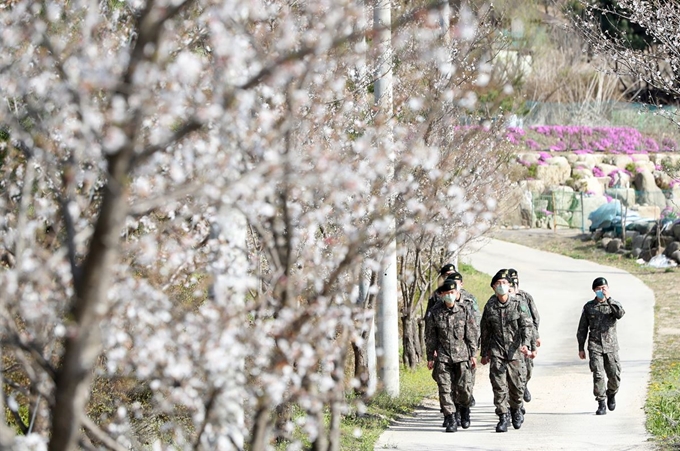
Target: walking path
x=561, y=415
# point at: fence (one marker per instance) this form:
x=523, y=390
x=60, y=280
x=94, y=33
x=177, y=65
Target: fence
x=568, y=209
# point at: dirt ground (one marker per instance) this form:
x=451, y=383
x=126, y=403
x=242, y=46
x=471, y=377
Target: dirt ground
x=663, y=282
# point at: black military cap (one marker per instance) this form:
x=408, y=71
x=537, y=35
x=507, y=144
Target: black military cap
x=447, y=268
x=445, y=287
x=455, y=276
x=599, y=282
x=502, y=274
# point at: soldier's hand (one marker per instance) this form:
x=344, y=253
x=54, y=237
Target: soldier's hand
x=533, y=354
x=473, y=363
x=538, y=342
x=430, y=364
x=485, y=360
x=524, y=350
x=582, y=355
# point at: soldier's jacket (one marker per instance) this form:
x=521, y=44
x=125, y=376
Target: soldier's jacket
x=533, y=310
x=469, y=299
x=505, y=328
x=598, y=324
x=451, y=332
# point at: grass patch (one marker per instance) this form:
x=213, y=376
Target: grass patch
x=663, y=404
x=476, y=283
x=359, y=432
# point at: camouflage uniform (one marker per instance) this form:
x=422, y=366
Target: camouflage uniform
x=452, y=333
x=598, y=323
x=470, y=301
x=505, y=328
x=536, y=319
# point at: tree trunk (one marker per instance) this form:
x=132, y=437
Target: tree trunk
x=409, y=338
x=361, y=371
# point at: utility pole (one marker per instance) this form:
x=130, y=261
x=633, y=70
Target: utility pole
x=387, y=309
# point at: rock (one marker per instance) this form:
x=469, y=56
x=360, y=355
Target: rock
x=556, y=172
x=648, y=192
x=588, y=160
x=636, y=252
x=675, y=256
x=529, y=157
x=534, y=186
x=607, y=168
x=676, y=230
x=642, y=242
x=581, y=172
x=590, y=185
x=614, y=246
x=662, y=180
x=625, y=195
x=605, y=242
x=672, y=247
x=621, y=161
x=649, y=211
x=644, y=166
x=597, y=235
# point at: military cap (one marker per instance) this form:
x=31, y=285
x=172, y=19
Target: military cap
x=599, y=282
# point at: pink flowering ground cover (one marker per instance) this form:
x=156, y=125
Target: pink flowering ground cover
x=583, y=139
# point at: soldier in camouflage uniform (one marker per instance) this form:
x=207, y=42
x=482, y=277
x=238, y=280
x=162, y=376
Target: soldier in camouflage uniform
x=535, y=339
x=451, y=335
x=598, y=324
x=470, y=301
x=445, y=270
x=506, y=330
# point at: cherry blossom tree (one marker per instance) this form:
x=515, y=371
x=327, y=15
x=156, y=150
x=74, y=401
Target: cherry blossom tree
x=190, y=192
x=638, y=41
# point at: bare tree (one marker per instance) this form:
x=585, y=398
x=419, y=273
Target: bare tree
x=142, y=143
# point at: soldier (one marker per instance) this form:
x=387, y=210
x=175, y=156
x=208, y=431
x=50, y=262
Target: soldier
x=444, y=272
x=506, y=329
x=431, y=302
x=451, y=336
x=536, y=339
x=598, y=323
x=470, y=301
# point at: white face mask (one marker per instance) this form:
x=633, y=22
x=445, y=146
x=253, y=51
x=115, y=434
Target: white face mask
x=449, y=299
x=502, y=289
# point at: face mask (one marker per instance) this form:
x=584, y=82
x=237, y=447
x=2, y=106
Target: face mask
x=599, y=294
x=502, y=289
x=448, y=299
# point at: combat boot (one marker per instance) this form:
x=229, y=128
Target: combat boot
x=502, y=425
x=473, y=402
x=446, y=421
x=456, y=415
x=601, y=408
x=450, y=424
x=527, y=394
x=611, y=402
x=465, y=417
x=517, y=418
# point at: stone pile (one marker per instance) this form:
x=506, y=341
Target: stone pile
x=563, y=189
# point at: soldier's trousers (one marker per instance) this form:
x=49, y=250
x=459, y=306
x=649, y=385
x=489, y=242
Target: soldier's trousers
x=602, y=364
x=508, y=381
x=529, y=364
x=473, y=372
x=455, y=388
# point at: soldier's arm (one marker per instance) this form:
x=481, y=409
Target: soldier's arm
x=484, y=333
x=534, y=311
x=616, y=307
x=471, y=332
x=582, y=331
x=431, y=339
x=526, y=326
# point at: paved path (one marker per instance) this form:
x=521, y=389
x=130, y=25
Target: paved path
x=561, y=415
